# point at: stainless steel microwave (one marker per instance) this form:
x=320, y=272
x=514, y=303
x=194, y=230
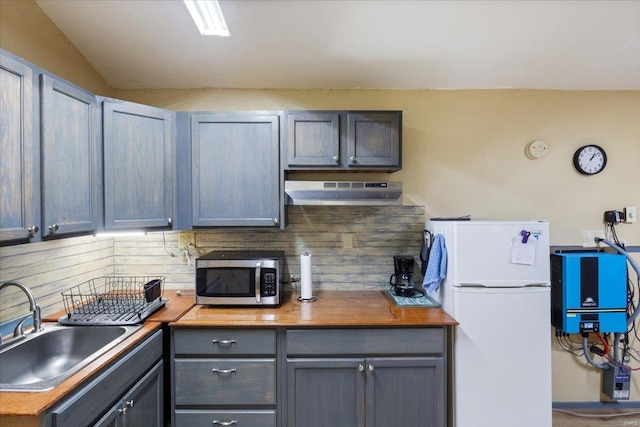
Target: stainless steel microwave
x=239, y=278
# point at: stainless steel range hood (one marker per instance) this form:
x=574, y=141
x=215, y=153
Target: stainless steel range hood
x=342, y=193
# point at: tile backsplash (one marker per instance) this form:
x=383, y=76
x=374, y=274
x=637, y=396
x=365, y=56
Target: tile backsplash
x=352, y=249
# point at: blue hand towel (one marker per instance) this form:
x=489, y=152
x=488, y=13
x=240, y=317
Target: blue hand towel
x=437, y=266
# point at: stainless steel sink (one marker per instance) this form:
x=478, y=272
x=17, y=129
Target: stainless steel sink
x=44, y=359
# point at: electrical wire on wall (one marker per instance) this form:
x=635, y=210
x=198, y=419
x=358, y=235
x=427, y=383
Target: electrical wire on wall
x=184, y=251
x=614, y=352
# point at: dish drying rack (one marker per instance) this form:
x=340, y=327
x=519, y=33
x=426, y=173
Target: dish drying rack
x=113, y=300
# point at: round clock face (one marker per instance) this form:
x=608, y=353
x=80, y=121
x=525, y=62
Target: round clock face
x=590, y=159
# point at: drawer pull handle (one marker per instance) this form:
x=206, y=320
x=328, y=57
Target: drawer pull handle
x=224, y=371
x=223, y=423
x=224, y=342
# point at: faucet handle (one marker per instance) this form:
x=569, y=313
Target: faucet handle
x=19, y=329
x=37, y=319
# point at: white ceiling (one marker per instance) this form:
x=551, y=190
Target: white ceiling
x=423, y=44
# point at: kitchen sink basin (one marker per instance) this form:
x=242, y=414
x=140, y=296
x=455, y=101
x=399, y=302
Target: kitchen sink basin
x=44, y=359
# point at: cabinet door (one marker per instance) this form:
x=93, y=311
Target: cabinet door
x=138, y=178
x=142, y=406
x=18, y=162
x=405, y=391
x=235, y=170
x=326, y=392
x=313, y=139
x=374, y=140
x=70, y=155
x=111, y=419
x=144, y=402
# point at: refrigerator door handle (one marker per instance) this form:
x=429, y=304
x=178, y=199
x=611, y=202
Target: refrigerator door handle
x=504, y=285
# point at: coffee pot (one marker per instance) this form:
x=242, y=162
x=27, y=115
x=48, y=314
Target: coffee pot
x=402, y=281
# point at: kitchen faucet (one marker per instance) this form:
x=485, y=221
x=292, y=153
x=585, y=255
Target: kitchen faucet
x=33, y=306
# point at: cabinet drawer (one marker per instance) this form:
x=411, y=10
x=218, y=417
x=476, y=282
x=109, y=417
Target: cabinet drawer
x=194, y=418
x=225, y=381
x=224, y=342
x=391, y=341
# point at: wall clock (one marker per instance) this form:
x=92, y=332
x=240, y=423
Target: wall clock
x=590, y=159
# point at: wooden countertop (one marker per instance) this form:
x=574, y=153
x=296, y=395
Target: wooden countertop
x=25, y=408
x=332, y=309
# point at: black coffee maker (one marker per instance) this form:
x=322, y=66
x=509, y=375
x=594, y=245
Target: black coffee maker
x=402, y=281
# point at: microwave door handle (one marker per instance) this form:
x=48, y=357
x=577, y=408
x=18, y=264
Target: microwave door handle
x=257, y=282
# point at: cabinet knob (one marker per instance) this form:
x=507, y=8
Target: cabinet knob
x=33, y=229
x=360, y=367
x=336, y=158
x=225, y=423
x=352, y=159
x=122, y=411
x=224, y=371
x=371, y=368
x=223, y=342
x=169, y=221
x=275, y=221
x=129, y=403
x=53, y=227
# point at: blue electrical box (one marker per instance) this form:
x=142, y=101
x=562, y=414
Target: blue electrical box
x=589, y=292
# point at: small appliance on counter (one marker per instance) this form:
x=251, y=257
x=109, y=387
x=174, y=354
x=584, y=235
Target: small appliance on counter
x=239, y=278
x=402, y=280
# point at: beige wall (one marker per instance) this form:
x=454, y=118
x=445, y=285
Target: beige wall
x=463, y=150
x=27, y=32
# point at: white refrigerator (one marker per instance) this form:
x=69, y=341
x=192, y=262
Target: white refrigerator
x=497, y=286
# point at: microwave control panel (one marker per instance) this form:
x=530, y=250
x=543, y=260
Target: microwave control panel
x=269, y=282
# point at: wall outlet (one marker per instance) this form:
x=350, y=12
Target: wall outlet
x=630, y=214
x=186, y=240
x=589, y=238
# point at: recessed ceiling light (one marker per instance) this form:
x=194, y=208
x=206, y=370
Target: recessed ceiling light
x=208, y=17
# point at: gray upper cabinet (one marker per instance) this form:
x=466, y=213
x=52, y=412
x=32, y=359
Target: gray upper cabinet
x=235, y=175
x=343, y=140
x=138, y=166
x=19, y=167
x=373, y=140
x=71, y=171
x=313, y=139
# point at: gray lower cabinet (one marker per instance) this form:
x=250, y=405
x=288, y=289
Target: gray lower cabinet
x=138, y=166
x=397, y=380
x=223, y=377
x=371, y=377
x=141, y=406
x=19, y=166
x=235, y=173
x=70, y=159
x=128, y=393
x=343, y=140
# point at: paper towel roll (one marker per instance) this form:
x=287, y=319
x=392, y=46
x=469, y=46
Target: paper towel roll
x=305, y=276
